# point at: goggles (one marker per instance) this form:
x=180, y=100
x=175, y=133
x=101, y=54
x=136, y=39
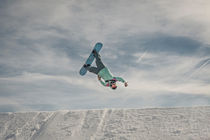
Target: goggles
x=110, y=82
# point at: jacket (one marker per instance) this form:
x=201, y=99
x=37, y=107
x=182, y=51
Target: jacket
x=106, y=75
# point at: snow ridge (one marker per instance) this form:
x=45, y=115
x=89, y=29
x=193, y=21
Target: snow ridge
x=124, y=124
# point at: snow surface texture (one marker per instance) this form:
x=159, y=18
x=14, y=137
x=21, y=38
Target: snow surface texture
x=120, y=124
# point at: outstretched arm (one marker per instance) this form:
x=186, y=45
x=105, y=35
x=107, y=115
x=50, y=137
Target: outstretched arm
x=99, y=78
x=122, y=80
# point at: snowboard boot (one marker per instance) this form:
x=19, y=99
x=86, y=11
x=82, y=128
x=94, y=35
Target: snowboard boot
x=95, y=53
x=86, y=65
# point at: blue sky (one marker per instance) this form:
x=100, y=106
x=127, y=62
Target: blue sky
x=161, y=48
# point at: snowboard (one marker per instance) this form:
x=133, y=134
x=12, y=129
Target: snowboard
x=91, y=58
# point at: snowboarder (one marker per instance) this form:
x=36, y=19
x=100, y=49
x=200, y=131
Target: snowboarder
x=103, y=73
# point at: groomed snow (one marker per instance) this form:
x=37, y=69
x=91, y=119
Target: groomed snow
x=191, y=123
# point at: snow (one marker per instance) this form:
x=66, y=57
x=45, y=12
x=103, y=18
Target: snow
x=183, y=123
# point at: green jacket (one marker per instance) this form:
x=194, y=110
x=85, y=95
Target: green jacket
x=106, y=75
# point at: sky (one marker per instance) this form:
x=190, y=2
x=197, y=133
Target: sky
x=161, y=48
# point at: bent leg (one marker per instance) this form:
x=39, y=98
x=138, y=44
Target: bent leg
x=99, y=63
x=93, y=70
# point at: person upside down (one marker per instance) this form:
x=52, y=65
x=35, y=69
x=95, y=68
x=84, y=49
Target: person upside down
x=103, y=73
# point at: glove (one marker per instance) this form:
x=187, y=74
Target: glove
x=99, y=77
x=126, y=84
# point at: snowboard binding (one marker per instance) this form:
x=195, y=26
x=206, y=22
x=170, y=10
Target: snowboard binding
x=86, y=65
x=95, y=53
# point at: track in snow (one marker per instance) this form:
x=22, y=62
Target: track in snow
x=124, y=124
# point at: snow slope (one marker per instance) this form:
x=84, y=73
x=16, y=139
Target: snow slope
x=123, y=124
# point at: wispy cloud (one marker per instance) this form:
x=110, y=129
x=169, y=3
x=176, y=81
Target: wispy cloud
x=160, y=47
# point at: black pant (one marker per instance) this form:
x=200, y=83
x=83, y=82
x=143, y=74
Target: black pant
x=99, y=65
